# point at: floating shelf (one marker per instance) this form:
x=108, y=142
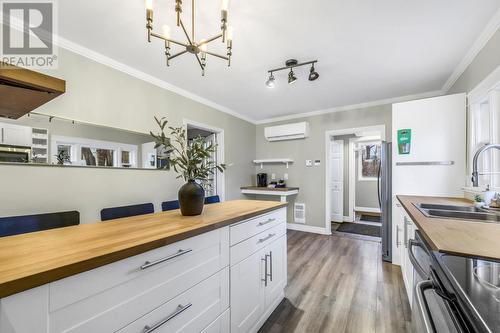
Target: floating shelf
x=273, y=160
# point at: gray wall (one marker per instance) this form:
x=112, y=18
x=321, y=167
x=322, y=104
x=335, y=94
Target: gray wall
x=102, y=95
x=312, y=180
x=487, y=60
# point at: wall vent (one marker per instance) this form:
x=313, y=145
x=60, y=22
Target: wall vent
x=299, y=213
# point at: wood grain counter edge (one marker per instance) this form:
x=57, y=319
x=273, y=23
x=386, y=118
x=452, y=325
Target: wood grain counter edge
x=29, y=281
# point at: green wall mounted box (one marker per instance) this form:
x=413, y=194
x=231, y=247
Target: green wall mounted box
x=404, y=141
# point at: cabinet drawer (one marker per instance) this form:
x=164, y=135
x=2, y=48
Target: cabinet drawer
x=191, y=311
x=110, y=297
x=219, y=325
x=246, y=248
x=252, y=227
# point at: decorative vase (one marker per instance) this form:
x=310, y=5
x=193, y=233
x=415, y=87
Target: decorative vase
x=191, y=198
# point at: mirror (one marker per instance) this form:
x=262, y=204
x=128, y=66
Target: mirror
x=37, y=139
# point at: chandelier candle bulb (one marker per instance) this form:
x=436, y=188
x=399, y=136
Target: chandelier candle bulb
x=149, y=18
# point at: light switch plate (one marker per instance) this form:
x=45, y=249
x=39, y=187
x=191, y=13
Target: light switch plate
x=309, y=163
x=273, y=176
x=285, y=176
x=317, y=163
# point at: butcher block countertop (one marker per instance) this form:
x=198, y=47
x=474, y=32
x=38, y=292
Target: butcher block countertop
x=34, y=259
x=454, y=236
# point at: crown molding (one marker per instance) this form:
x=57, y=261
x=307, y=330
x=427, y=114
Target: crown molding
x=353, y=107
x=476, y=47
x=107, y=61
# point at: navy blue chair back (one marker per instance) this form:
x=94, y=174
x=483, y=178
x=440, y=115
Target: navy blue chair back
x=126, y=211
x=16, y=225
x=170, y=205
x=212, y=199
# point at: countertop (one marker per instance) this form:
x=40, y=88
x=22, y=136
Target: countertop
x=34, y=259
x=460, y=237
x=279, y=189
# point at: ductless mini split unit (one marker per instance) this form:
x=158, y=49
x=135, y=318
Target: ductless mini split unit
x=287, y=132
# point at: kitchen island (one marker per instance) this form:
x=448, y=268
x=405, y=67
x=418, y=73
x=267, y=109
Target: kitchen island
x=158, y=269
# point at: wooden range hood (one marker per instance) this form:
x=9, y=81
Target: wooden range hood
x=23, y=90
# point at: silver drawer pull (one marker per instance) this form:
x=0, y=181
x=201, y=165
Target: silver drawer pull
x=180, y=309
x=267, y=222
x=179, y=253
x=266, y=238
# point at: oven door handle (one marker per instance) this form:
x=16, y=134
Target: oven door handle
x=413, y=260
x=422, y=305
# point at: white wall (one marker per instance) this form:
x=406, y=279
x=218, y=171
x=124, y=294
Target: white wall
x=102, y=95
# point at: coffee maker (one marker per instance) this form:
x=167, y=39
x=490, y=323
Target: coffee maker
x=262, y=179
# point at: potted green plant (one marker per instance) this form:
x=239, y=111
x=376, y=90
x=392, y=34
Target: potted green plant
x=191, y=160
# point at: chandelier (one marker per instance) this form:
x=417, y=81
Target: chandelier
x=198, y=48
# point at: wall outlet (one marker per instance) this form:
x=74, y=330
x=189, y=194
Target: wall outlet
x=285, y=176
x=273, y=176
x=309, y=163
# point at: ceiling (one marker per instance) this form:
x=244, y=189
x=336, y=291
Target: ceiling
x=367, y=50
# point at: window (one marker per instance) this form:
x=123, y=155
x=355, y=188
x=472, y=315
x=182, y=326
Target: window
x=87, y=152
x=369, y=160
x=484, y=129
x=97, y=157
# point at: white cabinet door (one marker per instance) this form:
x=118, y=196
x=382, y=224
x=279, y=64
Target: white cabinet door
x=247, y=292
x=276, y=261
x=16, y=135
x=408, y=273
x=397, y=231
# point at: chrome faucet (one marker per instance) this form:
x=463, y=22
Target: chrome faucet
x=475, y=174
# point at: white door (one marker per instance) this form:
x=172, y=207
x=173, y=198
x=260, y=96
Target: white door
x=211, y=183
x=16, y=135
x=337, y=180
x=276, y=269
x=247, y=292
x=148, y=155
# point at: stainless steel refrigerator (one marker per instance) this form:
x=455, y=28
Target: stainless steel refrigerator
x=384, y=187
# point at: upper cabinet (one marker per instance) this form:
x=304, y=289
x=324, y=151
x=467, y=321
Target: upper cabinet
x=15, y=135
x=23, y=90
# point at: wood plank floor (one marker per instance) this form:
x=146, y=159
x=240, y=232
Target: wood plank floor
x=339, y=284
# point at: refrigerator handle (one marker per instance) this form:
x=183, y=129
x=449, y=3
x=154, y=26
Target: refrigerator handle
x=378, y=183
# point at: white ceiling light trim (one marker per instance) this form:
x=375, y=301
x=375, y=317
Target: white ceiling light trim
x=476, y=47
x=104, y=60
x=353, y=107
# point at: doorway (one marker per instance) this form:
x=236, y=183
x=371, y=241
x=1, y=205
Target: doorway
x=215, y=185
x=352, y=159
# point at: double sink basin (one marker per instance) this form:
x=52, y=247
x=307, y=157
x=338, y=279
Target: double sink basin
x=459, y=212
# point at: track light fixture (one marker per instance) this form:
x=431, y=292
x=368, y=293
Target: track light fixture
x=291, y=64
x=270, y=83
x=313, y=75
x=291, y=77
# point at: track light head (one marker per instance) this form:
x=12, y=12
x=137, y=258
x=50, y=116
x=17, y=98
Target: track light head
x=313, y=75
x=291, y=77
x=271, y=83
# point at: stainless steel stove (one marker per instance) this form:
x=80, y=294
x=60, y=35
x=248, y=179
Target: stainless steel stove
x=476, y=285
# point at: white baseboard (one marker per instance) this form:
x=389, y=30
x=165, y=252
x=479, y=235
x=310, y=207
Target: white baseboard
x=307, y=228
x=348, y=219
x=367, y=209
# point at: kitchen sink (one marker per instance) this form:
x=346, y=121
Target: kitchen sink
x=449, y=207
x=458, y=212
